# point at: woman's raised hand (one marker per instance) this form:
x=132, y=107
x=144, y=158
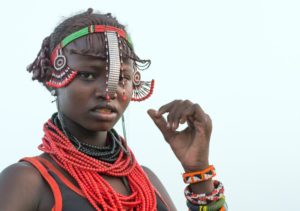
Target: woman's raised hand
x=191, y=145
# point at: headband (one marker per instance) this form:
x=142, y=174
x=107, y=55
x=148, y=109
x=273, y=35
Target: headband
x=62, y=74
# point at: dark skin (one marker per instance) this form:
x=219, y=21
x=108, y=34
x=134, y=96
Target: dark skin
x=77, y=101
x=23, y=189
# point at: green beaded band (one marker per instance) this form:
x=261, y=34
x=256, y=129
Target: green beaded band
x=214, y=206
x=74, y=36
x=92, y=29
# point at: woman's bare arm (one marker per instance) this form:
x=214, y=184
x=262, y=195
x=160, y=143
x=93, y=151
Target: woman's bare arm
x=20, y=188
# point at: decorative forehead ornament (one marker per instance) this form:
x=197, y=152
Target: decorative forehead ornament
x=62, y=74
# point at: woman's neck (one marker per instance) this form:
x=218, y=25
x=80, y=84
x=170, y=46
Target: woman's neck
x=96, y=138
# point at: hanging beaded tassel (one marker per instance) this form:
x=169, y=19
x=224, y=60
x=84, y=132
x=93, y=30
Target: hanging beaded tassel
x=122, y=70
x=141, y=89
x=106, y=66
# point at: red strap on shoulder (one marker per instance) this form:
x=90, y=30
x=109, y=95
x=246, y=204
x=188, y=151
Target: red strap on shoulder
x=66, y=181
x=52, y=183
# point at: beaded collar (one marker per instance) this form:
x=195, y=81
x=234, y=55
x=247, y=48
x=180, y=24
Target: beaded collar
x=108, y=153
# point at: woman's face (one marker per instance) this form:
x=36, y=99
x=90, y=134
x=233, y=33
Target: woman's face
x=83, y=101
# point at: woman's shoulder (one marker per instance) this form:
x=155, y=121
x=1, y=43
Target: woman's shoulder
x=21, y=185
x=21, y=172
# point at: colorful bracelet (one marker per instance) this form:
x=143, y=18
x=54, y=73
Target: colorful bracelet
x=214, y=206
x=199, y=176
x=204, y=199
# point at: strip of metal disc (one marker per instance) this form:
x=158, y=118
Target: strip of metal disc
x=114, y=63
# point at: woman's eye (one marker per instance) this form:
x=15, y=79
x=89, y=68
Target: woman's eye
x=86, y=75
x=124, y=79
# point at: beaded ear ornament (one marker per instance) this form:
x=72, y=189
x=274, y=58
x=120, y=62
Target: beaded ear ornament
x=141, y=89
x=62, y=74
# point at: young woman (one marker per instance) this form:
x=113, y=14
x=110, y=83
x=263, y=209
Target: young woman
x=89, y=63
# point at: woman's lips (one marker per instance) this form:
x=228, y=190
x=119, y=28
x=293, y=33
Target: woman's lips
x=103, y=110
x=104, y=114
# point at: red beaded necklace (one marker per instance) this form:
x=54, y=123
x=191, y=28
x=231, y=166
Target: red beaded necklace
x=87, y=172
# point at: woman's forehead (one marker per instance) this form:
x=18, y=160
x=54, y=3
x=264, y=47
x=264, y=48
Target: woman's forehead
x=90, y=45
x=90, y=51
x=78, y=60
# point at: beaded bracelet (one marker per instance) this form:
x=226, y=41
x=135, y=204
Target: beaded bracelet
x=214, y=206
x=199, y=176
x=202, y=198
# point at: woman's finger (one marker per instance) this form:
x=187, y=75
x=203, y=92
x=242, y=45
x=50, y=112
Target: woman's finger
x=171, y=115
x=177, y=112
x=161, y=123
x=193, y=113
x=166, y=108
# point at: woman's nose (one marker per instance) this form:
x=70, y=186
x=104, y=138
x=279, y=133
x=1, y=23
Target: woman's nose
x=104, y=93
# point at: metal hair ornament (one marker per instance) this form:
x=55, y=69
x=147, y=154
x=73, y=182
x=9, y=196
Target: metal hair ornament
x=114, y=64
x=62, y=74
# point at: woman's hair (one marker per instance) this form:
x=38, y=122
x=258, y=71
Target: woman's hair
x=41, y=67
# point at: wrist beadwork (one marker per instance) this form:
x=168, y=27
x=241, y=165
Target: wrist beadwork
x=214, y=206
x=203, y=198
x=199, y=176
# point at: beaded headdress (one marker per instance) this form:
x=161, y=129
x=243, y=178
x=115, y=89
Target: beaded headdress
x=62, y=74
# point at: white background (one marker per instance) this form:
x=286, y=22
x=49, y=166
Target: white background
x=239, y=60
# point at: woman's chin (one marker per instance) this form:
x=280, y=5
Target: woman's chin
x=103, y=126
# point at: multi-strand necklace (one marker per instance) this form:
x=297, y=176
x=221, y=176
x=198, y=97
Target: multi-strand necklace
x=87, y=171
x=107, y=153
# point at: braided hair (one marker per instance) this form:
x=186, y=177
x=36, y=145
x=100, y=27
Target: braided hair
x=41, y=67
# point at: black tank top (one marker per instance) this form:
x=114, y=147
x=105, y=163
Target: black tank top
x=74, y=202
x=71, y=200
